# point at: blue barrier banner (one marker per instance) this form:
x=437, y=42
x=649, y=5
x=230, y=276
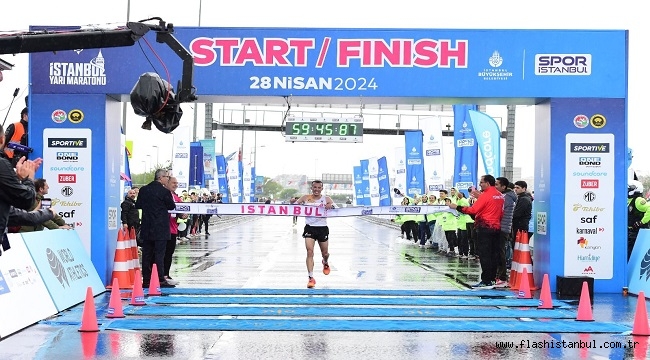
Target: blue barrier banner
x=222, y=178
x=240, y=180
x=64, y=265
x=196, y=164
x=365, y=182
x=414, y=163
x=466, y=156
x=358, y=62
x=384, y=182
x=254, y=183
x=488, y=137
x=358, y=185
x=23, y=294
x=638, y=267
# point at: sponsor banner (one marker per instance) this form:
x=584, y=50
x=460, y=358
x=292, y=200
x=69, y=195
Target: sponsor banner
x=414, y=163
x=466, y=155
x=373, y=181
x=638, y=267
x=23, y=294
x=181, y=160
x=589, y=206
x=232, y=174
x=384, y=182
x=196, y=164
x=358, y=185
x=222, y=177
x=305, y=210
x=68, y=155
x=64, y=265
x=400, y=172
x=247, y=183
x=434, y=166
x=208, y=159
x=488, y=137
x=365, y=182
x=359, y=62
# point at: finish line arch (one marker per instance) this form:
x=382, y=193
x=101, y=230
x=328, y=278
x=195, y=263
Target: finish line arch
x=569, y=76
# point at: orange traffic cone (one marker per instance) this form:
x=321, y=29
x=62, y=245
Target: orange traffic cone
x=122, y=264
x=545, y=301
x=115, y=304
x=525, y=261
x=514, y=268
x=137, y=296
x=89, y=317
x=584, y=307
x=134, y=250
x=641, y=317
x=154, y=284
x=524, y=288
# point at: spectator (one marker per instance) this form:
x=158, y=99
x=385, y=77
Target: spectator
x=17, y=133
x=57, y=222
x=505, y=254
x=155, y=202
x=17, y=188
x=130, y=215
x=488, y=211
x=172, y=185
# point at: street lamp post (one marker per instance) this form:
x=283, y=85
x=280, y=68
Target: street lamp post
x=150, y=167
x=156, y=146
x=144, y=165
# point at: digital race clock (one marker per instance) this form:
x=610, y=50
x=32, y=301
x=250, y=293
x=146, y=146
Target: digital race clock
x=324, y=129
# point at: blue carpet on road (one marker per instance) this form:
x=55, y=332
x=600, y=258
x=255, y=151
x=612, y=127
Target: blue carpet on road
x=485, y=326
x=331, y=300
x=342, y=311
x=357, y=292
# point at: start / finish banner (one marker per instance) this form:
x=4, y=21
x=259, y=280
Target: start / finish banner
x=305, y=210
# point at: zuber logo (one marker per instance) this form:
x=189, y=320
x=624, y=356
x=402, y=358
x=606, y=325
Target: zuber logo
x=182, y=208
x=589, y=183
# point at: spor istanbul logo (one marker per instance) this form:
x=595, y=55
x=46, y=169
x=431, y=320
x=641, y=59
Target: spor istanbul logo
x=495, y=71
x=79, y=73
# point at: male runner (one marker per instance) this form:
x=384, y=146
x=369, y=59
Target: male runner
x=316, y=229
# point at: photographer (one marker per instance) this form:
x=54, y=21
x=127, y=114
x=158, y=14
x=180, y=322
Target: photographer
x=17, y=133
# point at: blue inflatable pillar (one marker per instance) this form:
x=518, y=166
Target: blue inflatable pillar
x=78, y=137
x=580, y=191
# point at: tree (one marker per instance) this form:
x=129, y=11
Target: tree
x=287, y=194
x=271, y=189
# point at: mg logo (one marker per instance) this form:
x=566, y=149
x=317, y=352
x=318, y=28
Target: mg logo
x=589, y=196
x=67, y=191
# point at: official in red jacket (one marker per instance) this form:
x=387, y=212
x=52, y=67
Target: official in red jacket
x=487, y=212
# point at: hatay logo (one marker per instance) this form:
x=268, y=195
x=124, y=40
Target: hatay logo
x=79, y=73
x=495, y=72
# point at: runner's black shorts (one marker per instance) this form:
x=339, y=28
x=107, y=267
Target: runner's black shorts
x=318, y=233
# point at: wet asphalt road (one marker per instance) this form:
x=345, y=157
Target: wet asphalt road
x=267, y=252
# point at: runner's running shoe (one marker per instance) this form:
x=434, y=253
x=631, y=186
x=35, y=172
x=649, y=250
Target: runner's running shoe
x=326, y=268
x=311, y=283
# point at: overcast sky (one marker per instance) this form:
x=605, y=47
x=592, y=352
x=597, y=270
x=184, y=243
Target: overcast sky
x=274, y=156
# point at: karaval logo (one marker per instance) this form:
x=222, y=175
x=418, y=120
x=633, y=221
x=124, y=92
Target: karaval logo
x=563, y=64
x=57, y=267
x=589, y=196
x=77, y=73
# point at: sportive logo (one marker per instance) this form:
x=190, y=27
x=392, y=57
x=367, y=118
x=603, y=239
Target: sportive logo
x=563, y=64
x=67, y=142
x=590, y=147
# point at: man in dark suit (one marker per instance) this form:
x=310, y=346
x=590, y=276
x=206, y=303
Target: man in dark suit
x=155, y=201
